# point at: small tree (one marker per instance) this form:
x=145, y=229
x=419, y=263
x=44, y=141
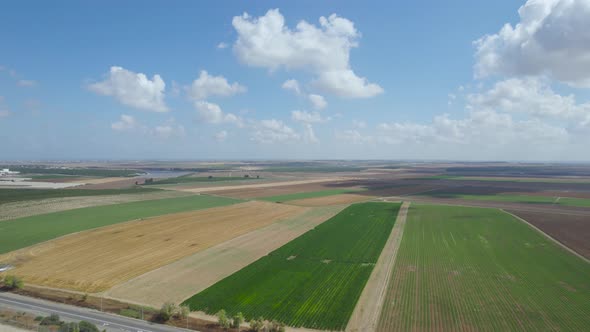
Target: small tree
x=167, y=311
x=257, y=324
x=13, y=282
x=222, y=319
x=238, y=320
x=84, y=297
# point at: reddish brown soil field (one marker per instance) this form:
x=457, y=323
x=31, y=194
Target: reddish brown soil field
x=571, y=230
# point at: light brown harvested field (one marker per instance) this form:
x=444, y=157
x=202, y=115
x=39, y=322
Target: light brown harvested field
x=98, y=259
x=330, y=200
x=102, y=180
x=184, y=278
x=31, y=208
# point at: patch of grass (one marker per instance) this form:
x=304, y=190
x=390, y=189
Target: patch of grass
x=199, y=179
x=313, y=281
x=17, y=195
x=131, y=313
x=481, y=268
x=309, y=194
x=23, y=232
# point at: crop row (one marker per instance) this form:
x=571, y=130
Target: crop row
x=466, y=269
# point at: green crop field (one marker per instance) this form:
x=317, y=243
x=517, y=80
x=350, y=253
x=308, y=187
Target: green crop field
x=478, y=269
x=23, y=232
x=313, y=281
x=529, y=199
x=17, y=195
x=309, y=194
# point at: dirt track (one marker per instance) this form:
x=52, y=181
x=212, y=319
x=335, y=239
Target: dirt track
x=365, y=316
x=177, y=281
x=98, y=259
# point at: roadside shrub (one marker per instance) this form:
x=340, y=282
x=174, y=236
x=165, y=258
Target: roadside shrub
x=13, y=282
x=87, y=327
x=237, y=320
x=52, y=319
x=69, y=327
x=222, y=319
x=167, y=311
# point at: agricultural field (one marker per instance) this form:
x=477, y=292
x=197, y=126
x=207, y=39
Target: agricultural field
x=23, y=209
x=176, y=282
x=509, y=179
x=199, y=179
x=513, y=198
x=98, y=259
x=570, y=229
x=313, y=281
x=17, y=195
x=331, y=200
x=23, y=232
x=468, y=269
x=309, y=194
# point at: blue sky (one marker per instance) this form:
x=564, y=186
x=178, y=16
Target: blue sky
x=377, y=79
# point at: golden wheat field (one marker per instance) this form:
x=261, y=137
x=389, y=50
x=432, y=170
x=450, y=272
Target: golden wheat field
x=96, y=260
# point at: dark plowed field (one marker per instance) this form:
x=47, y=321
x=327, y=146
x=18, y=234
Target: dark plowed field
x=571, y=230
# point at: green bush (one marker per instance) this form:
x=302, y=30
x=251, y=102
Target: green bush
x=13, y=282
x=222, y=319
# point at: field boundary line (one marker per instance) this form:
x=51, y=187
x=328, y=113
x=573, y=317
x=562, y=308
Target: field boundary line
x=366, y=313
x=548, y=236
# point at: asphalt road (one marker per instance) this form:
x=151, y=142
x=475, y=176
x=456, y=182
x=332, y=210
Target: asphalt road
x=110, y=322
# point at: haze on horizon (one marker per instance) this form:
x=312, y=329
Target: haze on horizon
x=495, y=80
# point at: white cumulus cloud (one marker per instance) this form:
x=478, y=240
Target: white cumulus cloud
x=212, y=113
x=308, y=117
x=126, y=122
x=133, y=89
x=552, y=38
x=324, y=50
x=220, y=136
x=273, y=131
x=210, y=86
